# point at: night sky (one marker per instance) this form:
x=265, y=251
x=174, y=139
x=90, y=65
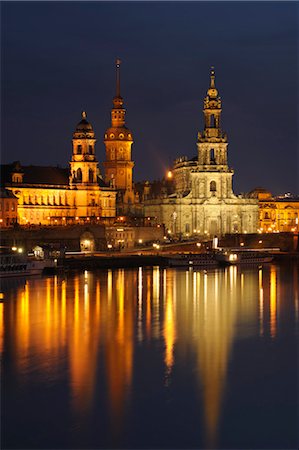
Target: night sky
x=58, y=59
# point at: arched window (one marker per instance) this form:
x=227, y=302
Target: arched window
x=90, y=149
x=213, y=186
x=212, y=156
x=90, y=176
x=79, y=149
x=212, y=121
x=79, y=174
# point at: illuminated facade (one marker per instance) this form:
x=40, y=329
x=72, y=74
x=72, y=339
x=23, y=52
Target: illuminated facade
x=118, y=141
x=203, y=202
x=8, y=208
x=277, y=214
x=54, y=195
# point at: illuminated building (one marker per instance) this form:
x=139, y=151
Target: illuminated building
x=55, y=195
x=8, y=208
x=203, y=202
x=118, y=141
x=277, y=214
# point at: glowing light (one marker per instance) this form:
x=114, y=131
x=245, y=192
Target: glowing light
x=14, y=248
x=109, y=245
x=169, y=174
x=20, y=250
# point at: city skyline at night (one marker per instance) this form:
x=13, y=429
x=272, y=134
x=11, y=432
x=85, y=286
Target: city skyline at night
x=167, y=50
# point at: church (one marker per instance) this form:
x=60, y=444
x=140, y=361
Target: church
x=50, y=195
x=79, y=194
x=203, y=202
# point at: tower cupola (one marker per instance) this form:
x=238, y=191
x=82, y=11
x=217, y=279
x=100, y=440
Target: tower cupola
x=84, y=165
x=118, y=140
x=212, y=141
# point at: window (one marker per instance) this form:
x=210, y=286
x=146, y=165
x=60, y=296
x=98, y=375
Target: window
x=213, y=186
x=212, y=121
x=90, y=149
x=90, y=176
x=212, y=156
x=79, y=175
x=79, y=149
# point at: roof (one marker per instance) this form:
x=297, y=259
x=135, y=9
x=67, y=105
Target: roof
x=36, y=174
x=6, y=193
x=39, y=175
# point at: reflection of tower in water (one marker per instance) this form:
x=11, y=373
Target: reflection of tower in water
x=119, y=342
x=215, y=323
x=207, y=310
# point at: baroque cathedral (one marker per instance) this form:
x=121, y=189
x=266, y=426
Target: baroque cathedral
x=203, y=201
x=79, y=194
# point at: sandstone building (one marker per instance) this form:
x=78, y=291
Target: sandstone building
x=118, y=140
x=55, y=195
x=203, y=202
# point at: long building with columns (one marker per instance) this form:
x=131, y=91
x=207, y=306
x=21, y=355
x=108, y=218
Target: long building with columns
x=203, y=201
x=58, y=196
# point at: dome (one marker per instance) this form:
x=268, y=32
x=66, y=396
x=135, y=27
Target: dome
x=84, y=126
x=118, y=134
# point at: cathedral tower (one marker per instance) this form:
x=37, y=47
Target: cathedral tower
x=212, y=143
x=118, y=142
x=84, y=166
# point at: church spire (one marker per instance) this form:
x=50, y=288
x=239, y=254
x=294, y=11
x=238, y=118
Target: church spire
x=118, y=100
x=117, y=63
x=212, y=91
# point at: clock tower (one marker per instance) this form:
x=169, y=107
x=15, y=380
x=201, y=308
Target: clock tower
x=118, y=141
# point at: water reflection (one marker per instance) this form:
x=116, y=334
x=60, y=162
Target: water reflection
x=87, y=328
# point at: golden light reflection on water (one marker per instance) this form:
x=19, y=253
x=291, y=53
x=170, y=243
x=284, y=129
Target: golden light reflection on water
x=91, y=324
x=273, y=300
x=169, y=326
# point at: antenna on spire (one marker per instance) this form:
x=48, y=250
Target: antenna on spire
x=212, y=77
x=117, y=63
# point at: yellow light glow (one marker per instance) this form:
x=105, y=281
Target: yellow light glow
x=273, y=300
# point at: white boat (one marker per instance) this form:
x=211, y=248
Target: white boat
x=193, y=260
x=15, y=264
x=242, y=256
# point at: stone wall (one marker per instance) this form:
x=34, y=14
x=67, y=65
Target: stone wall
x=68, y=236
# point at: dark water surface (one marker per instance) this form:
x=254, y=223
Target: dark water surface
x=151, y=358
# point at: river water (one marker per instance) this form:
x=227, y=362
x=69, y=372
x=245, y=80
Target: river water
x=151, y=358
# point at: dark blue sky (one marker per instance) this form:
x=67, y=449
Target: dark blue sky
x=58, y=59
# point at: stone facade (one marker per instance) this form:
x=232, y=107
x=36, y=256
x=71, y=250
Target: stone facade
x=8, y=208
x=277, y=213
x=118, y=140
x=203, y=202
x=54, y=195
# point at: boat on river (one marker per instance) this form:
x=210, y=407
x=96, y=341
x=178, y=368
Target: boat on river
x=242, y=256
x=203, y=260
x=16, y=264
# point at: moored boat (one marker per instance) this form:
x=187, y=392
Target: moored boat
x=16, y=264
x=242, y=256
x=193, y=260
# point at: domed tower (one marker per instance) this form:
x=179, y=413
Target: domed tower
x=84, y=166
x=118, y=141
x=212, y=142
